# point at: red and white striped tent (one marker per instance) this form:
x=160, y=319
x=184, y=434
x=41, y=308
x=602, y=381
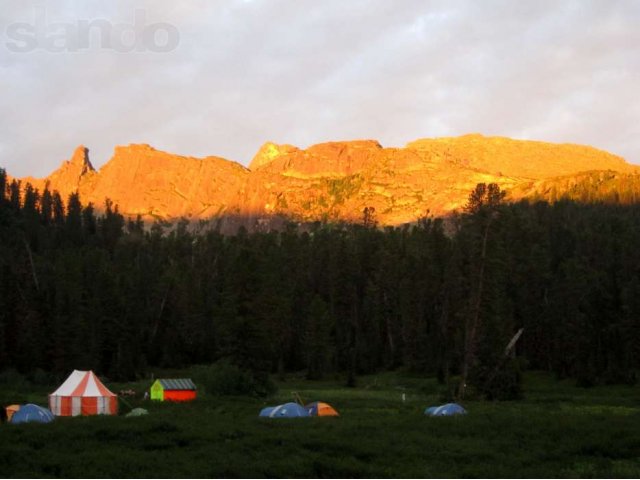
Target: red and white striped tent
x=83, y=394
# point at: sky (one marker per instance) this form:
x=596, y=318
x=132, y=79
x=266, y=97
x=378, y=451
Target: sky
x=221, y=77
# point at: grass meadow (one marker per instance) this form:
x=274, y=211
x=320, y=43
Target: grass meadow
x=558, y=430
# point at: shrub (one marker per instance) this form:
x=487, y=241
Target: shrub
x=503, y=384
x=41, y=378
x=12, y=377
x=224, y=378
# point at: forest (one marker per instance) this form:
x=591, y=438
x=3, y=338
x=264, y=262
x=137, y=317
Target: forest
x=442, y=297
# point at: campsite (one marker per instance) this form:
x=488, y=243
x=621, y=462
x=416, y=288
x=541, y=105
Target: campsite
x=331, y=239
x=557, y=430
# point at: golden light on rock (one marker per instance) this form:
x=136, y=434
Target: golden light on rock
x=326, y=182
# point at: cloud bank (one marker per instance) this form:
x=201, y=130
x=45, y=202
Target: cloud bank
x=303, y=72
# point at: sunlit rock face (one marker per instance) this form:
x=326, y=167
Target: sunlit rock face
x=330, y=181
x=71, y=174
x=269, y=152
x=147, y=182
x=337, y=180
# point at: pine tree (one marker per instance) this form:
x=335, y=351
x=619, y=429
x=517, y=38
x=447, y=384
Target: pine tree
x=317, y=339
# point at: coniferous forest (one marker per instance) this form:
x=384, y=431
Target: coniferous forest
x=81, y=290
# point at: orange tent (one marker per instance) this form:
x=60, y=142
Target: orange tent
x=321, y=409
x=11, y=409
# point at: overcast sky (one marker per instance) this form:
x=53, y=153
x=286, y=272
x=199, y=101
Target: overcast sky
x=306, y=71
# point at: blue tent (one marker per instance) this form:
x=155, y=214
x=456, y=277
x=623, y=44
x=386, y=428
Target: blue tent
x=445, y=410
x=288, y=410
x=32, y=413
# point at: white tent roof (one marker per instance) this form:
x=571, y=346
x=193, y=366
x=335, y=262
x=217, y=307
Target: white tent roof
x=83, y=384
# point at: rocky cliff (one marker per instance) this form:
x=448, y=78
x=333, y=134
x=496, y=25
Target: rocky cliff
x=329, y=181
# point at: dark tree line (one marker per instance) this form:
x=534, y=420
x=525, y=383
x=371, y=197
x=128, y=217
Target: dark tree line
x=78, y=290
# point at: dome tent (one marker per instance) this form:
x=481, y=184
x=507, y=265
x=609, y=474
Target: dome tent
x=321, y=409
x=10, y=411
x=288, y=410
x=83, y=394
x=137, y=412
x=32, y=413
x=445, y=410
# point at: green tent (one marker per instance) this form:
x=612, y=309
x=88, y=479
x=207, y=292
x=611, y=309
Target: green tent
x=137, y=412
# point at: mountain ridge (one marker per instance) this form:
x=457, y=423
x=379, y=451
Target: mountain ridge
x=330, y=181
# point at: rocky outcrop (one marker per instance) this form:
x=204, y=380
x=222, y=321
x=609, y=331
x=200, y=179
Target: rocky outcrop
x=329, y=181
x=155, y=184
x=71, y=174
x=518, y=158
x=268, y=152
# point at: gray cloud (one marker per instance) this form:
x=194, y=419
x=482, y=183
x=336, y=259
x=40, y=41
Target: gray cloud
x=303, y=72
